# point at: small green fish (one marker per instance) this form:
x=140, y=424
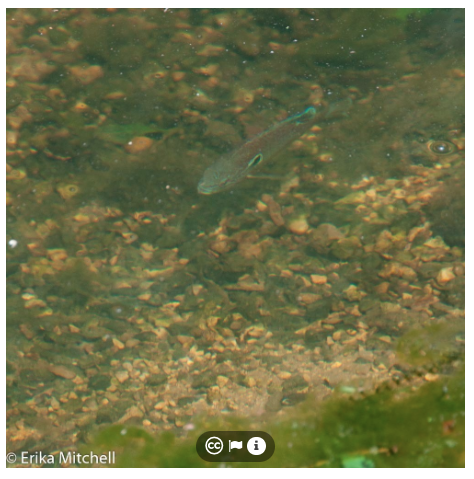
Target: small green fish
x=236, y=165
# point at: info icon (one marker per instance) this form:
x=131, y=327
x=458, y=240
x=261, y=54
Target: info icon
x=256, y=446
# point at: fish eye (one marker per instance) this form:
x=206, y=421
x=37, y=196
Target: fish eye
x=442, y=147
x=255, y=160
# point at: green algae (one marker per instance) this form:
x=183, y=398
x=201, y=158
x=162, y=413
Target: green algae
x=344, y=432
x=404, y=13
x=432, y=344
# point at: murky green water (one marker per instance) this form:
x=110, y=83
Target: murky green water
x=322, y=302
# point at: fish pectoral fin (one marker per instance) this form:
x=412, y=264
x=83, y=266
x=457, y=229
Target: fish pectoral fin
x=265, y=177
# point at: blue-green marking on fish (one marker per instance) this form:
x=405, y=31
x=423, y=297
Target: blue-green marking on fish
x=236, y=165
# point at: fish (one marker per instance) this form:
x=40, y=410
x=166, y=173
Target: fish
x=233, y=167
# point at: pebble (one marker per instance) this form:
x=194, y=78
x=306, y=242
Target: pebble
x=122, y=376
x=309, y=298
x=62, y=371
x=298, y=226
x=178, y=76
x=118, y=344
x=431, y=377
x=159, y=405
x=274, y=210
x=445, y=275
x=319, y=279
x=222, y=381
x=138, y=144
x=251, y=382
x=87, y=75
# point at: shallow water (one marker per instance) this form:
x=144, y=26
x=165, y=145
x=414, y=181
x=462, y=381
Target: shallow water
x=133, y=301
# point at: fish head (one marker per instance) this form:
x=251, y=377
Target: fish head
x=226, y=173
x=215, y=179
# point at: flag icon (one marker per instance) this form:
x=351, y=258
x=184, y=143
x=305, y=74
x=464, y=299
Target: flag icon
x=235, y=445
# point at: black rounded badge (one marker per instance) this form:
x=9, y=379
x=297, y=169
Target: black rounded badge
x=235, y=446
